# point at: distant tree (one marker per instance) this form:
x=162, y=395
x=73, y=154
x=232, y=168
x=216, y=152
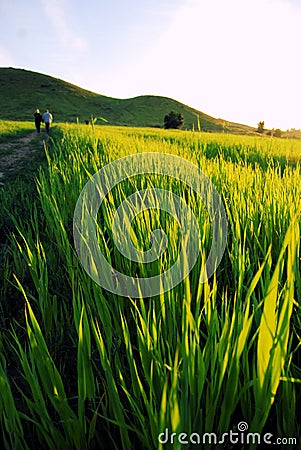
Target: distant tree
x=278, y=133
x=260, y=126
x=173, y=120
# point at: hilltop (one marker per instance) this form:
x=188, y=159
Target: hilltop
x=22, y=91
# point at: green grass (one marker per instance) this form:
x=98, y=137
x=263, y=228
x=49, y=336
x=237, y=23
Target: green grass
x=83, y=368
x=10, y=130
x=23, y=91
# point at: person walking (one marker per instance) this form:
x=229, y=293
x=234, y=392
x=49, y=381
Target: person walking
x=37, y=120
x=47, y=119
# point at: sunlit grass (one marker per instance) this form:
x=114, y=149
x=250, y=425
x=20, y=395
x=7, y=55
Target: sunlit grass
x=102, y=371
x=10, y=129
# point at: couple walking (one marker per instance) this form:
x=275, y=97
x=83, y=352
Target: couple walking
x=45, y=118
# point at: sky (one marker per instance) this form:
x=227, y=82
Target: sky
x=233, y=59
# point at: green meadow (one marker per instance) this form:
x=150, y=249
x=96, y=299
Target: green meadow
x=10, y=129
x=83, y=368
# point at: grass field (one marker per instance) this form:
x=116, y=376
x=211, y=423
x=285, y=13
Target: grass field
x=82, y=368
x=9, y=129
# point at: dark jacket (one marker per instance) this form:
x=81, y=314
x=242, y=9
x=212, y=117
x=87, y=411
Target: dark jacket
x=37, y=117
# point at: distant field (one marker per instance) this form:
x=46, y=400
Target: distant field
x=84, y=368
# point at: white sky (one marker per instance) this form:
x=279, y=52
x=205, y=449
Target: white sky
x=235, y=59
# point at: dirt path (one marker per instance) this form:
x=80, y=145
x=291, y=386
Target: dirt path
x=18, y=152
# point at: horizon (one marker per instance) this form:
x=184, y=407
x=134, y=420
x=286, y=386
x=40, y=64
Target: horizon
x=182, y=51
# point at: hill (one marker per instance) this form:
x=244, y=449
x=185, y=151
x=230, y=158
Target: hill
x=22, y=91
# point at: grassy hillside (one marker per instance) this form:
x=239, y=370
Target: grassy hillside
x=23, y=91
